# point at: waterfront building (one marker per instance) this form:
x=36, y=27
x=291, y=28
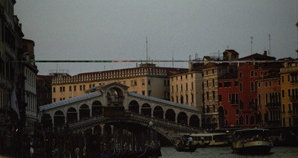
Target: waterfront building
x=186, y=88
x=228, y=100
x=248, y=75
x=289, y=93
x=268, y=96
x=30, y=95
x=146, y=79
x=211, y=72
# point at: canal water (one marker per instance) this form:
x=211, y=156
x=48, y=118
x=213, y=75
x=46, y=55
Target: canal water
x=222, y=152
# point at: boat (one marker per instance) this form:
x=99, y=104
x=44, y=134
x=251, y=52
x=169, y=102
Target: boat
x=185, y=143
x=252, y=141
x=210, y=139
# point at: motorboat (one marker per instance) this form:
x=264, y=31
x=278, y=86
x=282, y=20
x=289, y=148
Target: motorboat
x=210, y=139
x=252, y=141
x=185, y=143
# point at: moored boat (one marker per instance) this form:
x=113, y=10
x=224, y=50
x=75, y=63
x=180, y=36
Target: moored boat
x=252, y=141
x=185, y=143
x=210, y=139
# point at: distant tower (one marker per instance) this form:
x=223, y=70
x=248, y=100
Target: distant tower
x=251, y=42
x=297, y=38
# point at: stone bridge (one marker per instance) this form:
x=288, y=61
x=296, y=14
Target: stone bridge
x=113, y=104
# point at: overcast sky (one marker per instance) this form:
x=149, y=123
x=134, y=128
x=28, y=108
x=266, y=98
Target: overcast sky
x=117, y=29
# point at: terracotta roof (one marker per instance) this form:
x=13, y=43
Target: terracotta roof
x=258, y=56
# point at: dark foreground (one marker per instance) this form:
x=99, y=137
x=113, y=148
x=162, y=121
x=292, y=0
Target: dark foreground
x=213, y=152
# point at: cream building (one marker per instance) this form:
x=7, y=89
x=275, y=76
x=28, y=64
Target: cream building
x=147, y=79
x=186, y=88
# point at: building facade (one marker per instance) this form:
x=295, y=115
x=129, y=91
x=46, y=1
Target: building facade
x=228, y=100
x=146, y=79
x=289, y=94
x=44, y=89
x=30, y=72
x=269, y=99
x=12, y=104
x=212, y=71
x=186, y=88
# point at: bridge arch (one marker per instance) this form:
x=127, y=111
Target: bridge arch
x=96, y=108
x=158, y=112
x=115, y=96
x=71, y=115
x=182, y=118
x=194, y=121
x=133, y=107
x=84, y=112
x=171, y=115
x=146, y=110
x=59, y=118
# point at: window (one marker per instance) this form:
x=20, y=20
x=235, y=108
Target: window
x=252, y=73
x=143, y=82
x=54, y=89
x=213, y=83
x=192, y=98
x=191, y=85
x=149, y=82
x=61, y=89
x=219, y=84
x=252, y=86
x=212, y=71
x=207, y=95
x=149, y=92
x=54, y=99
x=236, y=83
x=240, y=75
x=282, y=93
x=213, y=94
x=70, y=88
x=143, y=92
x=81, y=88
x=227, y=84
x=219, y=97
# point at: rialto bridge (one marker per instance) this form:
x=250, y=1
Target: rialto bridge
x=113, y=105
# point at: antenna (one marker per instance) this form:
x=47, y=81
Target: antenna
x=297, y=38
x=269, y=40
x=172, y=60
x=146, y=49
x=251, y=42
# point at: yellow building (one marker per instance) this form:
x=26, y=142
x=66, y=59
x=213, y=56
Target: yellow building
x=186, y=88
x=289, y=94
x=147, y=79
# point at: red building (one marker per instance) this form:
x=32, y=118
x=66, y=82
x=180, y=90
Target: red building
x=228, y=98
x=248, y=75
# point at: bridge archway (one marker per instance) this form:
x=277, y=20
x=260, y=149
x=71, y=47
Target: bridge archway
x=115, y=96
x=96, y=108
x=158, y=112
x=72, y=115
x=194, y=121
x=59, y=118
x=182, y=118
x=134, y=107
x=170, y=115
x=146, y=110
x=84, y=112
x=46, y=121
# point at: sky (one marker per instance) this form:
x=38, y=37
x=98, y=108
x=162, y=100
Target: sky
x=117, y=30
